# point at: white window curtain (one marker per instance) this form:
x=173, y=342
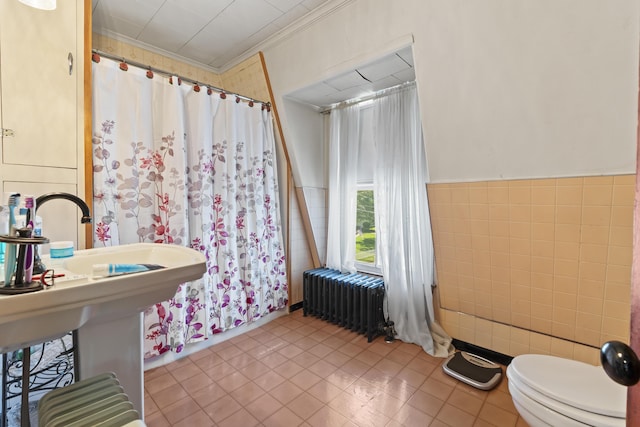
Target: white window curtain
x=403, y=228
x=405, y=245
x=343, y=175
x=180, y=166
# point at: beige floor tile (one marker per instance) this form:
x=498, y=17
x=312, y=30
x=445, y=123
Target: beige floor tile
x=413, y=378
x=283, y=417
x=156, y=372
x=320, y=350
x=465, y=401
x=229, y=352
x=426, y=403
x=305, y=379
x=455, y=416
x=324, y=391
x=160, y=382
x=180, y=410
x=327, y=417
x=220, y=371
x=350, y=350
x=322, y=368
x=497, y=416
x=347, y=404
x=286, y=392
x=410, y=416
x=367, y=417
x=355, y=367
x=208, y=362
x=302, y=371
x=306, y=359
x=208, y=394
x=247, y=393
x=254, y=370
x=156, y=420
x=289, y=368
x=233, y=381
x=222, y=408
x=368, y=357
x=247, y=344
x=195, y=383
x=240, y=418
x=341, y=379
x=337, y=358
x=362, y=390
x=269, y=380
x=377, y=378
x=241, y=360
x=263, y=407
x=400, y=356
x=436, y=388
x=149, y=405
x=199, y=419
x=501, y=400
x=399, y=389
x=186, y=370
x=305, y=405
x=385, y=404
x=167, y=396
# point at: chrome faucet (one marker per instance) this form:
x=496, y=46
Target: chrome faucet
x=38, y=266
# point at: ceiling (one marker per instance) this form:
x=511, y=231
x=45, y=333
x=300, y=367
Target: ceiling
x=388, y=71
x=208, y=32
x=216, y=34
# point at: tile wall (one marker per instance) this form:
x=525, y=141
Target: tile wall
x=535, y=265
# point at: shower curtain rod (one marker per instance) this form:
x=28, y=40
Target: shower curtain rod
x=169, y=74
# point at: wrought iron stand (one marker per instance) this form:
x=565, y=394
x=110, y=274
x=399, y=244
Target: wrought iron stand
x=53, y=365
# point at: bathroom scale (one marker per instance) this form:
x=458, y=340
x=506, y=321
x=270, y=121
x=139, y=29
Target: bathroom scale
x=474, y=370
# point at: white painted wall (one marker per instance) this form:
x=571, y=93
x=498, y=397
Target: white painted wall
x=508, y=88
x=308, y=153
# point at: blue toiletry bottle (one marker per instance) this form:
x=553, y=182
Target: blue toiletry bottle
x=4, y=229
x=13, y=201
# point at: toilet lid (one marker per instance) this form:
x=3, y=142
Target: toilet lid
x=571, y=382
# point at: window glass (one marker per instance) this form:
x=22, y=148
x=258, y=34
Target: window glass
x=365, y=228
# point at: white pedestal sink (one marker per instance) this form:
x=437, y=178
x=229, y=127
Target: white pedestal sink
x=105, y=311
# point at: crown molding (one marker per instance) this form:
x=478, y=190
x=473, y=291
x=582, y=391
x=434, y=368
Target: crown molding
x=154, y=49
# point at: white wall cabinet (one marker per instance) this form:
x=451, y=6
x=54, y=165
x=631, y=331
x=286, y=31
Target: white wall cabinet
x=42, y=109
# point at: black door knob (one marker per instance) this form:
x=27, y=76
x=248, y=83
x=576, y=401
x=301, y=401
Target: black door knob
x=620, y=362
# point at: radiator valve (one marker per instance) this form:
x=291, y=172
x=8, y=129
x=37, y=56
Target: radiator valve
x=390, y=332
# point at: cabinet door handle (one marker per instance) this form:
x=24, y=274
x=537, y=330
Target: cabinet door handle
x=70, y=58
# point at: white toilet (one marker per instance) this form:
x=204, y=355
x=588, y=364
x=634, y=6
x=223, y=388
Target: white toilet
x=551, y=391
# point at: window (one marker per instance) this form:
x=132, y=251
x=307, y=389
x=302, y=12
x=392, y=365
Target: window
x=365, y=258
x=365, y=227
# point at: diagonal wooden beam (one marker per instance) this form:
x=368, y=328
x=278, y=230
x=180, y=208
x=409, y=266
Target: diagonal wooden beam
x=633, y=393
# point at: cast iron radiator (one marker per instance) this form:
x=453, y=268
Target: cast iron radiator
x=353, y=301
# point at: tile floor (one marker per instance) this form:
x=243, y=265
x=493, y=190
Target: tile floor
x=302, y=371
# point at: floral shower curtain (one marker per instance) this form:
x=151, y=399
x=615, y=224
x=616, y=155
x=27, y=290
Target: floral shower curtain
x=179, y=165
